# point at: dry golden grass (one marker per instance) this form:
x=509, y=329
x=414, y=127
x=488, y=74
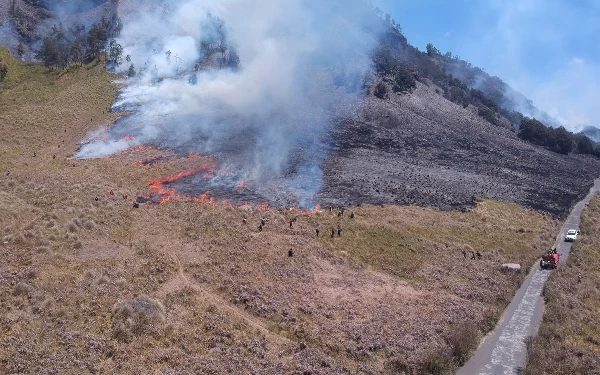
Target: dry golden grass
x=568, y=341
x=92, y=286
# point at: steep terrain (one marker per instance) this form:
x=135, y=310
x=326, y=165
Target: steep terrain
x=423, y=149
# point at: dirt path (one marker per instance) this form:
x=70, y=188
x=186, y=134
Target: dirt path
x=504, y=351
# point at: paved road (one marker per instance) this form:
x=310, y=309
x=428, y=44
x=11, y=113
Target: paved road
x=503, y=351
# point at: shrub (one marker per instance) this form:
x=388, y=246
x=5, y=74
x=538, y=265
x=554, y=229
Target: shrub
x=488, y=115
x=3, y=70
x=404, y=80
x=381, y=90
x=141, y=315
x=463, y=340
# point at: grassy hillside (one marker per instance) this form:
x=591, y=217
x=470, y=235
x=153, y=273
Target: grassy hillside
x=96, y=286
x=569, y=337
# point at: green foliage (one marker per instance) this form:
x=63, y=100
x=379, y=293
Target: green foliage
x=97, y=38
x=478, y=98
x=115, y=52
x=48, y=53
x=584, y=144
x=404, y=80
x=385, y=61
x=555, y=139
x=488, y=115
x=61, y=47
x=431, y=50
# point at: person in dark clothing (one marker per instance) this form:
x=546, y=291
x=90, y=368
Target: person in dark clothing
x=260, y=227
x=136, y=204
x=339, y=230
x=332, y=232
x=464, y=253
x=96, y=199
x=352, y=215
x=472, y=255
x=478, y=255
x=317, y=231
x=290, y=253
x=291, y=222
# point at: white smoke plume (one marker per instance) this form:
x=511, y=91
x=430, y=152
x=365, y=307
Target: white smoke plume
x=302, y=63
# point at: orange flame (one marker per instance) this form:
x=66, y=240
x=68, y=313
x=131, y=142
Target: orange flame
x=241, y=185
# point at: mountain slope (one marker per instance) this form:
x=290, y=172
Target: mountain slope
x=423, y=149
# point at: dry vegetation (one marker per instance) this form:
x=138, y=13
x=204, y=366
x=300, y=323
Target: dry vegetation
x=97, y=286
x=568, y=341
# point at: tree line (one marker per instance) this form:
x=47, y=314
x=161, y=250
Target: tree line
x=556, y=139
x=76, y=45
x=402, y=65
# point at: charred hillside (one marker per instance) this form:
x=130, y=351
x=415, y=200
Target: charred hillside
x=421, y=149
x=422, y=136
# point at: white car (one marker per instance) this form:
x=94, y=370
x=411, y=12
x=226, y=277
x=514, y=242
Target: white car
x=571, y=235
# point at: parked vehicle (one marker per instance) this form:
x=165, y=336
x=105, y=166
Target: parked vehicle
x=571, y=235
x=550, y=260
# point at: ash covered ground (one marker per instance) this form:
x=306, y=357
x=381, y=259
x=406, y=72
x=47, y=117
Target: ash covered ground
x=424, y=150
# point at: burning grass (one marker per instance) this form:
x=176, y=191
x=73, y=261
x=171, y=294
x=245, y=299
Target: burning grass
x=568, y=340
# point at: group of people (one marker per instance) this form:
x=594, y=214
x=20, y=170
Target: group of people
x=263, y=222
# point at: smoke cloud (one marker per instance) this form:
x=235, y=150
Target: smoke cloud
x=267, y=120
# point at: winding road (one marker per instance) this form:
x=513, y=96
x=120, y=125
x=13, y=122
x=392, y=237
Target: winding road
x=503, y=351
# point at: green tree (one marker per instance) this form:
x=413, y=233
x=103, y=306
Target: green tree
x=48, y=53
x=131, y=71
x=564, y=142
x=115, y=52
x=384, y=60
x=487, y=114
x=404, y=80
x=584, y=144
x=97, y=39
x=533, y=131
x=78, y=46
x=431, y=50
